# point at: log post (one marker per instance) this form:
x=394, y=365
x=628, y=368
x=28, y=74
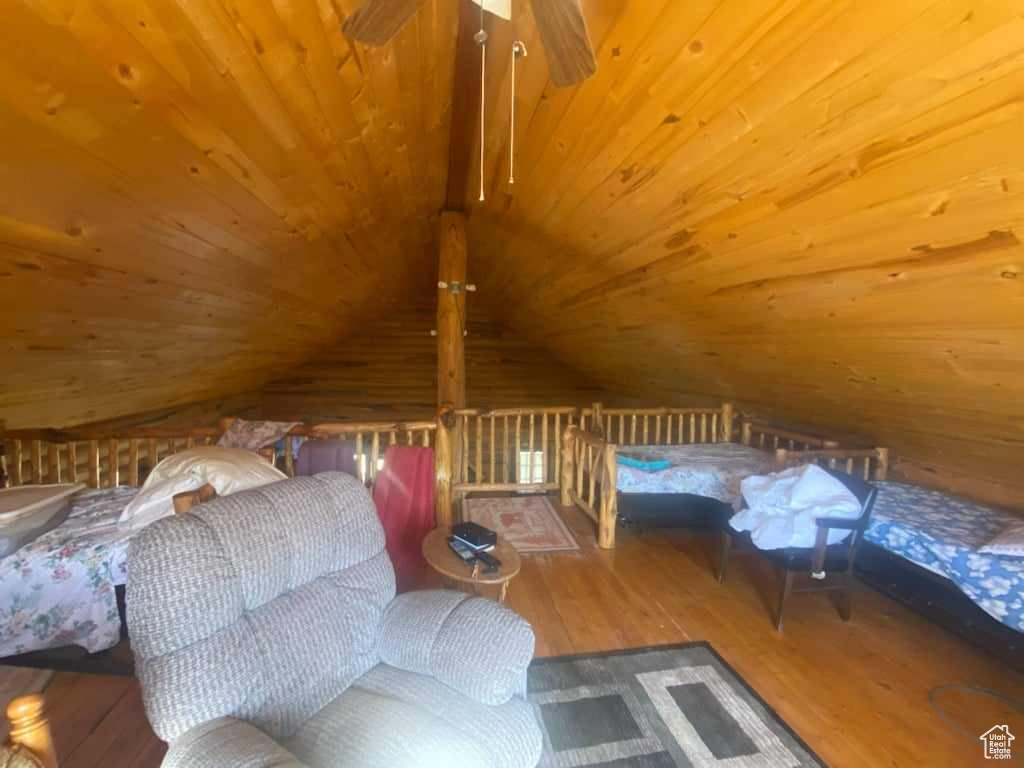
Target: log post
x=451, y=310
x=882, y=470
x=16, y=463
x=745, y=433
x=113, y=463
x=94, y=464
x=609, y=498
x=451, y=314
x=53, y=474
x=72, y=461
x=597, y=427
x=727, y=418
x=37, y=462
x=133, y=462
x=30, y=728
x=444, y=462
x=568, y=470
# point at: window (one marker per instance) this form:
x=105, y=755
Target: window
x=531, y=467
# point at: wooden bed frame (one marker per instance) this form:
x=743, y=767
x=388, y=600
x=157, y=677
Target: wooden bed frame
x=589, y=476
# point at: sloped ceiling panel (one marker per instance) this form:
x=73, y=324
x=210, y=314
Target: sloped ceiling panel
x=815, y=208
x=193, y=195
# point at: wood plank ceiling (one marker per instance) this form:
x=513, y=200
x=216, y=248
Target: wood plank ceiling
x=194, y=195
x=812, y=207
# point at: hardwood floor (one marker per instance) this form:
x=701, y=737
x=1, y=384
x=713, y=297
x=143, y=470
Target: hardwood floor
x=857, y=692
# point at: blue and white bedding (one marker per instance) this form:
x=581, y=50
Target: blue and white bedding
x=942, y=533
x=59, y=589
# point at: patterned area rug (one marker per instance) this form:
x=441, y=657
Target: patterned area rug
x=673, y=705
x=528, y=523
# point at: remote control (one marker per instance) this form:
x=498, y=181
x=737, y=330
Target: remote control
x=466, y=553
x=490, y=561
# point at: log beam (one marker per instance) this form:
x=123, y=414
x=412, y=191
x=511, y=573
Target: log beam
x=451, y=357
x=451, y=311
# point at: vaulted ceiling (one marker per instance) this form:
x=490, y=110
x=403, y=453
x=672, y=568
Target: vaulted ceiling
x=196, y=195
x=813, y=207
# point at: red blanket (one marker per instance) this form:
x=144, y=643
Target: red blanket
x=404, y=495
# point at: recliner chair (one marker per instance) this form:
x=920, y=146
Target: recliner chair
x=266, y=632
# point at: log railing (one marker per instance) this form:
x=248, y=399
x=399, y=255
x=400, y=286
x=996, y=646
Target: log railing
x=475, y=450
x=371, y=439
x=106, y=462
x=757, y=434
x=868, y=463
x=510, y=449
x=589, y=474
x=589, y=479
x=660, y=426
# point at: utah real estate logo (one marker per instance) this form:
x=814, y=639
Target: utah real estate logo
x=997, y=742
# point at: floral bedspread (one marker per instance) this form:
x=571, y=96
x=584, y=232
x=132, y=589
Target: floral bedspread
x=706, y=469
x=942, y=533
x=59, y=589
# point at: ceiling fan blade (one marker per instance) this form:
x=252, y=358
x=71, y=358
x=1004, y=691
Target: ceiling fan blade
x=377, y=21
x=563, y=31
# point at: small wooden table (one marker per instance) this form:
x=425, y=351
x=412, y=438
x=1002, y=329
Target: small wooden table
x=453, y=569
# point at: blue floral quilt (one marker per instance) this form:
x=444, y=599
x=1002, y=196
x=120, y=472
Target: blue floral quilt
x=942, y=533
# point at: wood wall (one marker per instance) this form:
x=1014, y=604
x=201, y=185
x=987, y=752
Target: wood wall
x=813, y=208
x=390, y=372
x=196, y=195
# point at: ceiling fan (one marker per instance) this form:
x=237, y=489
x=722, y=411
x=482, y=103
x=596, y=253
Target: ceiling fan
x=562, y=27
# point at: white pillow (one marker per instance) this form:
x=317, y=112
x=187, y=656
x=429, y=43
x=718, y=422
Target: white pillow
x=1009, y=541
x=228, y=470
x=155, y=500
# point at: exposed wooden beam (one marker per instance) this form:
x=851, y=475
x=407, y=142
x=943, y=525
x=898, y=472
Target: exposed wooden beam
x=451, y=309
x=465, y=104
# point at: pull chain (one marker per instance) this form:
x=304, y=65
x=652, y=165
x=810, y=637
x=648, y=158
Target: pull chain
x=518, y=49
x=481, y=40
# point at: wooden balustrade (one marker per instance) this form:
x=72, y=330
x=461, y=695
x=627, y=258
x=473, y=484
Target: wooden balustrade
x=475, y=451
x=660, y=426
x=589, y=470
x=868, y=463
x=589, y=477
x=110, y=461
x=371, y=439
x=757, y=434
x=97, y=462
x=494, y=444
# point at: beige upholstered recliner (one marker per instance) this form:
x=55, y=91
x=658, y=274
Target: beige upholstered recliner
x=267, y=633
